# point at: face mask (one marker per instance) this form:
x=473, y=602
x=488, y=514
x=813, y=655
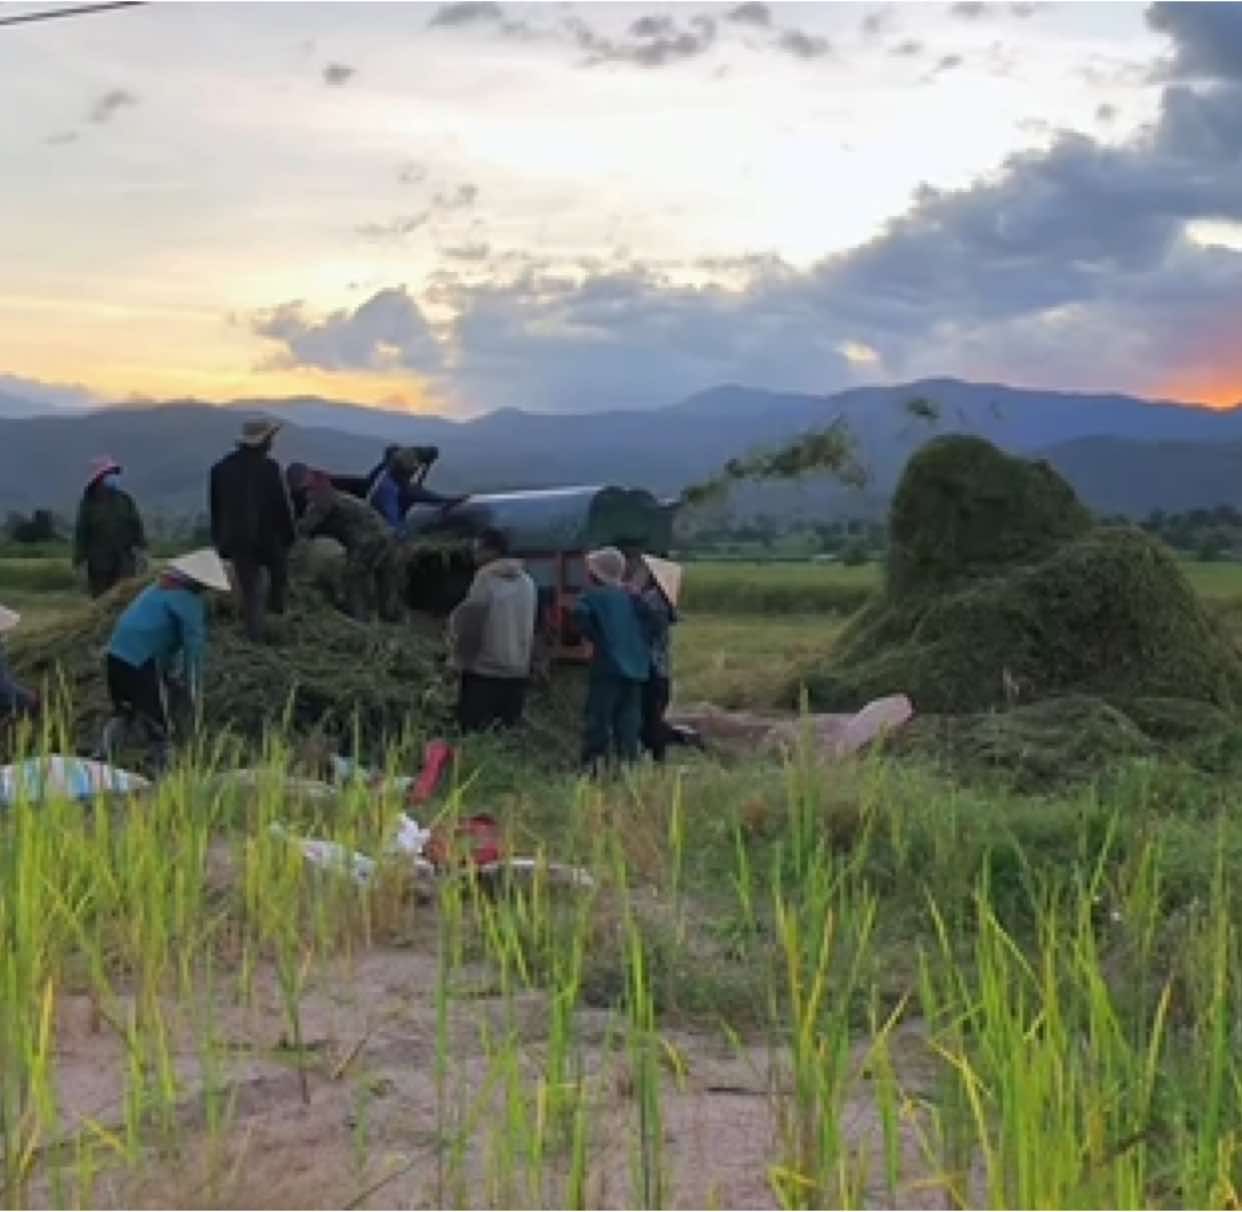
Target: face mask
x=110, y=480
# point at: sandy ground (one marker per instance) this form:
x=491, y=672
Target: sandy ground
x=368, y=1135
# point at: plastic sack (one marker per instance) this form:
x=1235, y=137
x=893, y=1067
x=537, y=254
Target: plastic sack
x=73, y=778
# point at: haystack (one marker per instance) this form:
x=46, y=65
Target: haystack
x=358, y=686
x=1001, y=595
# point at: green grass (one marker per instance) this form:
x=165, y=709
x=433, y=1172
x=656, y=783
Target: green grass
x=36, y=575
x=1031, y=1001
x=725, y=587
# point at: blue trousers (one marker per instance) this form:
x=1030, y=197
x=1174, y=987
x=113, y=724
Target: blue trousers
x=614, y=720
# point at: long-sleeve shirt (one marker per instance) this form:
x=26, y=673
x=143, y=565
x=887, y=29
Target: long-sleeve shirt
x=385, y=499
x=165, y=624
x=108, y=531
x=13, y=696
x=617, y=623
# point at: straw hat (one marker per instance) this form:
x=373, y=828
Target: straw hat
x=203, y=566
x=8, y=620
x=257, y=431
x=100, y=467
x=607, y=564
x=667, y=575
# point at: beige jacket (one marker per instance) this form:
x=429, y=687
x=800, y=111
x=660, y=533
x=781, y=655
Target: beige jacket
x=492, y=631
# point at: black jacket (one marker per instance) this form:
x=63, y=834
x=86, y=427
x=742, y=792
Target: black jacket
x=250, y=514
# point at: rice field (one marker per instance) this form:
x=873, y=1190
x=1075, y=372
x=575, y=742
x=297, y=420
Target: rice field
x=786, y=984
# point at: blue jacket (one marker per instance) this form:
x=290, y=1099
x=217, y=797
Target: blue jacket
x=386, y=500
x=617, y=624
x=166, y=625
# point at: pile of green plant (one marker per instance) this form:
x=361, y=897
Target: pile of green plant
x=322, y=674
x=1000, y=595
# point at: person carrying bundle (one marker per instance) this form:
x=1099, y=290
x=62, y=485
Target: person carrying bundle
x=372, y=561
x=155, y=655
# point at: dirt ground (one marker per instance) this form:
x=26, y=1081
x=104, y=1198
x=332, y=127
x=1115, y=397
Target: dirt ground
x=367, y=1138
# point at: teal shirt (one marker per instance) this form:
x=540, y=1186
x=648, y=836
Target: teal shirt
x=617, y=625
x=163, y=624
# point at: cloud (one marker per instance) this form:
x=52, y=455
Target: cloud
x=394, y=229
x=110, y=104
x=1207, y=38
x=385, y=333
x=653, y=41
x=468, y=252
x=50, y=395
x=337, y=74
x=802, y=45
x=1075, y=263
x=461, y=198
x=468, y=12
x=1105, y=112
x=412, y=173
x=62, y=138
x=878, y=22
x=751, y=13
x=970, y=10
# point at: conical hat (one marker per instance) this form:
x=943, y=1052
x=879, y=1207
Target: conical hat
x=667, y=575
x=203, y=566
x=8, y=620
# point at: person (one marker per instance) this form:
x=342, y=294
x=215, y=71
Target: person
x=15, y=699
x=617, y=623
x=658, y=583
x=109, y=538
x=398, y=484
x=491, y=638
x=252, y=523
x=155, y=655
x=372, y=562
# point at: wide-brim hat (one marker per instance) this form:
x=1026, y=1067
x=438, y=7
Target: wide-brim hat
x=257, y=430
x=607, y=564
x=100, y=467
x=667, y=575
x=203, y=566
x=8, y=619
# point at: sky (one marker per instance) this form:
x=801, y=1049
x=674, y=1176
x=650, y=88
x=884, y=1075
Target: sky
x=565, y=207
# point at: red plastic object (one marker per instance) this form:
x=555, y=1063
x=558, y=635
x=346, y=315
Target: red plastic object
x=436, y=757
x=477, y=839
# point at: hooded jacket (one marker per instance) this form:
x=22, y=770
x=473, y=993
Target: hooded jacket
x=492, y=631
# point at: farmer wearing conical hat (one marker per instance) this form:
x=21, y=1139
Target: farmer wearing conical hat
x=658, y=583
x=252, y=523
x=108, y=540
x=156, y=650
x=15, y=699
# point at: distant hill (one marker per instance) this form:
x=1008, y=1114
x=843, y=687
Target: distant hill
x=1123, y=454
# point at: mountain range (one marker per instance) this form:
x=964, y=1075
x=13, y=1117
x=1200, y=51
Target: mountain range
x=1123, y=454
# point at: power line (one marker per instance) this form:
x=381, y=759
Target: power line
x=76, y=11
